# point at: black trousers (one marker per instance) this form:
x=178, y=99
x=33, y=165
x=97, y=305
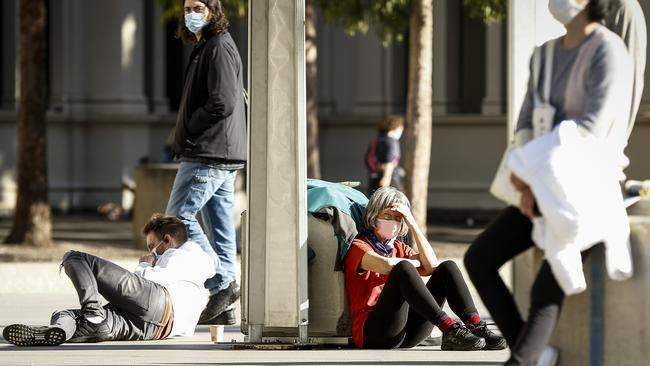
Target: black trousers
x=407, y=309
x=506, y=237
x=135, y=305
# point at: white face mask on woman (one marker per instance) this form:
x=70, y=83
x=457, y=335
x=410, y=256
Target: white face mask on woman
x=387, y=229
x=565, y=10
x=396, y=133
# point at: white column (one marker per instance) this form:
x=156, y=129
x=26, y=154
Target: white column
x=445, y=57
x=521, y=42
x=644, y=108
x=493, y=103
x=529, y=24
x=98, y=57
x=277, y=169
x=8, y=62
x=158, y=59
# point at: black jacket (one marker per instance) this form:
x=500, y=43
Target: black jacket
x=211, y=122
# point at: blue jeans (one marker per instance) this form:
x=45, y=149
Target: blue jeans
x=200, y=187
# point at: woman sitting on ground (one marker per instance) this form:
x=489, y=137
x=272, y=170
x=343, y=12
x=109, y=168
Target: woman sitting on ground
x=391, y=306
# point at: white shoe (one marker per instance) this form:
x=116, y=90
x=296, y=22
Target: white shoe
x=548, y=357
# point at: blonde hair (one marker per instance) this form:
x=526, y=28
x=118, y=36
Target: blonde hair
x=383, y=198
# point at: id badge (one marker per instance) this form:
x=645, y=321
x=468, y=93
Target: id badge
x=543, y=119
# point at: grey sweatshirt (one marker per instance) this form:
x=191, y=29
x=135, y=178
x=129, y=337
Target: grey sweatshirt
x=597, y=64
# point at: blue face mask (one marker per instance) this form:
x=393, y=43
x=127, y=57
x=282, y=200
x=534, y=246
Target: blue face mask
x=195, y=21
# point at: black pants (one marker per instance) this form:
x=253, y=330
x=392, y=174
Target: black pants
x=135, y=305
x=407, y=308
x=506, y=237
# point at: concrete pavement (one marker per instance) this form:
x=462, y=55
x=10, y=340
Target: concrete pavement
x=31, y=291
x=36, y=309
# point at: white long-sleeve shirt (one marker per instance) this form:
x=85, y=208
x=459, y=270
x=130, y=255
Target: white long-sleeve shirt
x=182, y=271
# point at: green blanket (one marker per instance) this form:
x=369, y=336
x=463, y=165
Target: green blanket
x=322, y=195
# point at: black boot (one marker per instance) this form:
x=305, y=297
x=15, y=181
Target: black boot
x=460, y=338
x=492, y=340
x=88, y=332
x=24, y=335
x=219, y=302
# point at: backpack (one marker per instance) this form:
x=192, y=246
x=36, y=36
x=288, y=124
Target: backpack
x=371, y=161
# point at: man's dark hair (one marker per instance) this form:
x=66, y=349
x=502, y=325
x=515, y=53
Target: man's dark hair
x=162, y=225
x=598, y=10
x=217, y=24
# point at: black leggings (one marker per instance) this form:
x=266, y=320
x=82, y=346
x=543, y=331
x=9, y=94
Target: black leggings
x=407, y=309
x=506, y=237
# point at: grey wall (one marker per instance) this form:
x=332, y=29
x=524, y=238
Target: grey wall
x=106, y=116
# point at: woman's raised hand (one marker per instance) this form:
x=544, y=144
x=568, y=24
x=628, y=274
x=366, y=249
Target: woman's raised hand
x=407, y=216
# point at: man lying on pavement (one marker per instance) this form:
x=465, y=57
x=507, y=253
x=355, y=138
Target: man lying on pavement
x=162, y=298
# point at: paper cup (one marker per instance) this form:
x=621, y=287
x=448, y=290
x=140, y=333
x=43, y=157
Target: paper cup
x=216, y=333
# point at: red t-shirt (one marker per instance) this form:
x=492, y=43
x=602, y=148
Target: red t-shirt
x=364, y=287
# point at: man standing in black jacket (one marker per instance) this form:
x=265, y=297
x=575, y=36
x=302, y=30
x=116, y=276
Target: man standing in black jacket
x=210, y=142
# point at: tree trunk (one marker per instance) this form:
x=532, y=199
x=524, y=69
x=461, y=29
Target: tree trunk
x=32, y=220
x=313, y=155
x=417, y=142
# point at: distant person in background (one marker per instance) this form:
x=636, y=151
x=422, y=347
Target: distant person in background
x=383, y=155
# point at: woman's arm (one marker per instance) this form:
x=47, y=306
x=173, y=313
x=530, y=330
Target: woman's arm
x=524, y=127
x=372, y=261
x=607, y=91
x=426, y=255
x=388, y=174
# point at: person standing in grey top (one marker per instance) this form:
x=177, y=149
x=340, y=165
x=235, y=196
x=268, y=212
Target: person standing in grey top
x=599, y=80
x=587, y=85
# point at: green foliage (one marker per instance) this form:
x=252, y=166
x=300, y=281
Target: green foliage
x=487, y=10
x=390, y=17
x=173, y=9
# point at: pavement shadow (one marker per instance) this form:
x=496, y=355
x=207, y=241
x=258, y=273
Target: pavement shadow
x=361, y=363
x=112, y=347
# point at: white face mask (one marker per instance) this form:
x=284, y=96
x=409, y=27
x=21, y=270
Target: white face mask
x=565, y=10
x=397, y=134
x=387, y=229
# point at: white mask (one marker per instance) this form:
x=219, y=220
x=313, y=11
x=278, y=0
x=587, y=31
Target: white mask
x=397, y=133
x=565, y=10
x=387, y=229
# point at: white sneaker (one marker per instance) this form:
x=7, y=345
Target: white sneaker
x=548, y=357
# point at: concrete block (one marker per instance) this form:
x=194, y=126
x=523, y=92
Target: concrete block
x=153, y=186
x=329, y=314
x=625, y=320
